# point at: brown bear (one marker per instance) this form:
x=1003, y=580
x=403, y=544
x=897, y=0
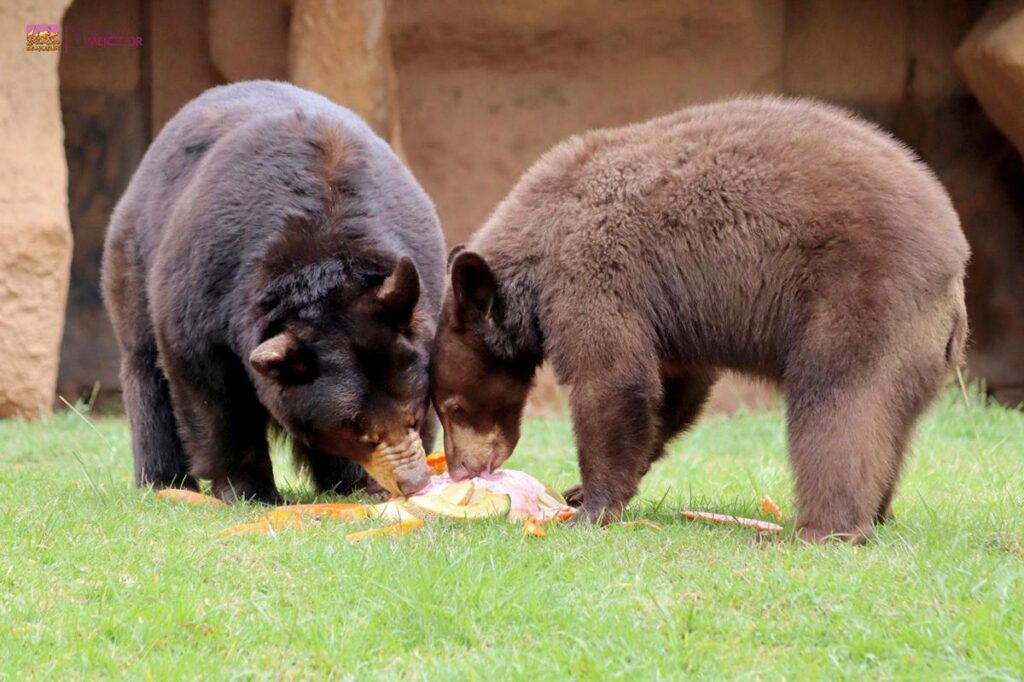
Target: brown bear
x=273, y=264
x=782, y=238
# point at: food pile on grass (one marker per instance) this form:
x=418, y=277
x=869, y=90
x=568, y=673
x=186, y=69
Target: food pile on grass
x=508, y=494
x=505, y=493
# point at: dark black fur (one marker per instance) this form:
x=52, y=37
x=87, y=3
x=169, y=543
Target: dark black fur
x=271, y=263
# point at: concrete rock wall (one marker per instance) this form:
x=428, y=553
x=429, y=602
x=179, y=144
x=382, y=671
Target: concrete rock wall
x=33, y=213
x=474, y=92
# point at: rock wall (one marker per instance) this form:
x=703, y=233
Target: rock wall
x=33, y=213
x=342, y=49
x=991, y=59
x=106, y=122
x=474, y=92
x=485, y=88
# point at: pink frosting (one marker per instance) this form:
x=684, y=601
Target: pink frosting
x=522, y=489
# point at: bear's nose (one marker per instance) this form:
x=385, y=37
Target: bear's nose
x=458, y=472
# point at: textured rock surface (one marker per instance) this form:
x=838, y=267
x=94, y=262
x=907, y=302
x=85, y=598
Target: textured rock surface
x=847, y=50
x=105, y=135
x=485, y=88
x=33, y=214
x=236, y=26
x=181, y=64
x=991, y=60
x=342, y=50
x=113, y=70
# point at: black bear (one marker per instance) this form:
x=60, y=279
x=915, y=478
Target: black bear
x=782, y=238
x=273, y=264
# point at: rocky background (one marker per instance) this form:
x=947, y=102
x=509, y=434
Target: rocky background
x=472, y=92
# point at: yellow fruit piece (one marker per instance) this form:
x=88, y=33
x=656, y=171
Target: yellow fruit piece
x=457, y=493
x=187, y=496
x=395, y=530
x=551, y=498
x=393, y=510
x=532, y=528
x=490, y=504
x=340, y=511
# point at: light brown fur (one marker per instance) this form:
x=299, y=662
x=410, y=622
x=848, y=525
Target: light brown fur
x=782, y=238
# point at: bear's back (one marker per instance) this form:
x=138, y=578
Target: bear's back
x=166, y=177
x=729, y=216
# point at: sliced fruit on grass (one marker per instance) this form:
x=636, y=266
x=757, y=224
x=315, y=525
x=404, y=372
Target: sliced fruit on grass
x=728, y=519
x=565, y=514
x=532, y=528
x=489, y=505
x=187, y=496
x=457, y=493
x=551, y=498
x=395, y=530
x=437, y=463
x=768, y=506
x=392, y=510
x=341, y=511
x=479, y=495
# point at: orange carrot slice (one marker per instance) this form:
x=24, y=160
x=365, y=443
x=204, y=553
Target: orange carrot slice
x=564, y=515
x=187, y=496
x=396, y=530
x=532, y=528
x=341, y=511
x=437, y=463
x=728, y=519
x=768, y=506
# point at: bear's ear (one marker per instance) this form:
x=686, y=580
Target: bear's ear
x=398, y=294
x=475, y=288
x=283, y=358
x=456, y=250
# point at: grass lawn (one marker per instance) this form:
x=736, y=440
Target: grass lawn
x=100, y=580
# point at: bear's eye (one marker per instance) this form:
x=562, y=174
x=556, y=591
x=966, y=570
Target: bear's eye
x=453, y=406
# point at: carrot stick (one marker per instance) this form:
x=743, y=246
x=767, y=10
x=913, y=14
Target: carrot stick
x=187, y=496
x=768, y=506
x=728, y=519
x=341, y=511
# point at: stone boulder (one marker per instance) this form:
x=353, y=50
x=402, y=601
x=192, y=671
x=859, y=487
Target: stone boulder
x=34, y=227
x=236, y=27
x=991, y=60
x=342, y=50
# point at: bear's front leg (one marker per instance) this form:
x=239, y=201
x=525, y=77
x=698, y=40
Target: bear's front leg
x=224, y=428
x=615, y=418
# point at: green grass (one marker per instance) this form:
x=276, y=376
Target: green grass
x=100, y=580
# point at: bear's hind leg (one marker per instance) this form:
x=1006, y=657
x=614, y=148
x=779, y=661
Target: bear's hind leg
x=913, y=389
x=842, y=443
x=683, y=397
x=616, y=410
x=224, y=428
x=157, y=451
